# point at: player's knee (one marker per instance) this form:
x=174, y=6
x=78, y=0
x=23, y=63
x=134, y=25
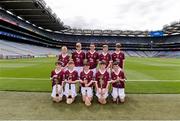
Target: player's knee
x=90, y=98
x=55, y=99
x=69, y=101
x=122, y=100
x=102, y=101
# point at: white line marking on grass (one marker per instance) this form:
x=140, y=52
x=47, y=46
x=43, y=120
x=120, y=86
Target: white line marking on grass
x=149, y=80
x=146, y=80
x=15, y=78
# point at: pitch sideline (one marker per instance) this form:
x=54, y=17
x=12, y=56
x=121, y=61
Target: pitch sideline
x=145, y=80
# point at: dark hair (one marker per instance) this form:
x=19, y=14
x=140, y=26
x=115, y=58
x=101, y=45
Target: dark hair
x=105, y=46
x=71, y=62
x=102, y=62
x=115, y=63
x=58, y=63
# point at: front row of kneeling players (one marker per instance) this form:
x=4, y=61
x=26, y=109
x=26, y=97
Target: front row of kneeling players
x=64, y=80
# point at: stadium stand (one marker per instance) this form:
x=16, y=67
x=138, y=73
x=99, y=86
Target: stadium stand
x=13, y=48
x=23, y=34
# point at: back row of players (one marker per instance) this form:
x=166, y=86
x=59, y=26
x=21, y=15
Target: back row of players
x=90, y=69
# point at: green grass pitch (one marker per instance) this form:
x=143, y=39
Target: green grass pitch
x=152, y=87
x=144, y=75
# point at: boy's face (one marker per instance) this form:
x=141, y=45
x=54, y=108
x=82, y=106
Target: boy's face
x=86, y=67
x=105, y=49
x=92, y=47
x=71, y=66
x=78, y=47
x=64, y=50
x=58, y=66
x=118, y=49
x=102, y=66
x=115, y=67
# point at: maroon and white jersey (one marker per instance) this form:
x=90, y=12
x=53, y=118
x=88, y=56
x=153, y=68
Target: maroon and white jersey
x=59, y=75
x=102, y=78
x=92, y=58
x=71, y=75
x=118, y=57
x=78, y=58
x=115, y=75
x=105, y=57
x=86, y=75
x=64, y=59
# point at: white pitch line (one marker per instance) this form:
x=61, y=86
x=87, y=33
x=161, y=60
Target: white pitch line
x=146, y=80
x=15, y=78
x=153, y=80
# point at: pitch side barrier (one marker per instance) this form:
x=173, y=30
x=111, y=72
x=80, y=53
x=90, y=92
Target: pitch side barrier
x=26, y=56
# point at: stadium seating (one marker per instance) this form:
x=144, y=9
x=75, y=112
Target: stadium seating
x=14, y=48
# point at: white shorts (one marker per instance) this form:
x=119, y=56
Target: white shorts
x=73, y=90
x=78, y=69
x=118, y=92
x=94, y=71
x=104, y=96
x=53, y=94
x=88, y=90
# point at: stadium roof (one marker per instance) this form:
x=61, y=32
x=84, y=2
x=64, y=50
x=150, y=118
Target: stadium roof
x=172, y=29
x=35, y=12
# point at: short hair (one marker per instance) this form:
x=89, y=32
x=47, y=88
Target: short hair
x=105, y=46
x=78, y=44
x=71, y=62
x=102, y=62
x=118, y=45
x=115, y=63
x=63, y=47
x=86, y=63
x=92, y=44
x=58, y=63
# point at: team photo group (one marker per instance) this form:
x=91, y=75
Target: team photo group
x=90, y=73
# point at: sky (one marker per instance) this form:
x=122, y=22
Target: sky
x=116, y=14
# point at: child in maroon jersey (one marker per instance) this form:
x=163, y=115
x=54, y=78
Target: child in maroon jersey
x=102, y=83
x=71, y=78
x=105, y=56
x=92, y=57
x=57, y=77
x=118, y=56
x=64, y=57
x=78, y=57
x=86, y=80
x=118, y=83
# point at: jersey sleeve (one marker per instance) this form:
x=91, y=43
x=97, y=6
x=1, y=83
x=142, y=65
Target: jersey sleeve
x=51, y=74
x=72, y=55
x=76, y=75
x=123, y=75
x=59, y=57
x=112, y=56
x=84, y=55
x=123, y=56
x=96, y=77
x=109, y=56
x=80, y=77
x=97, y=57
